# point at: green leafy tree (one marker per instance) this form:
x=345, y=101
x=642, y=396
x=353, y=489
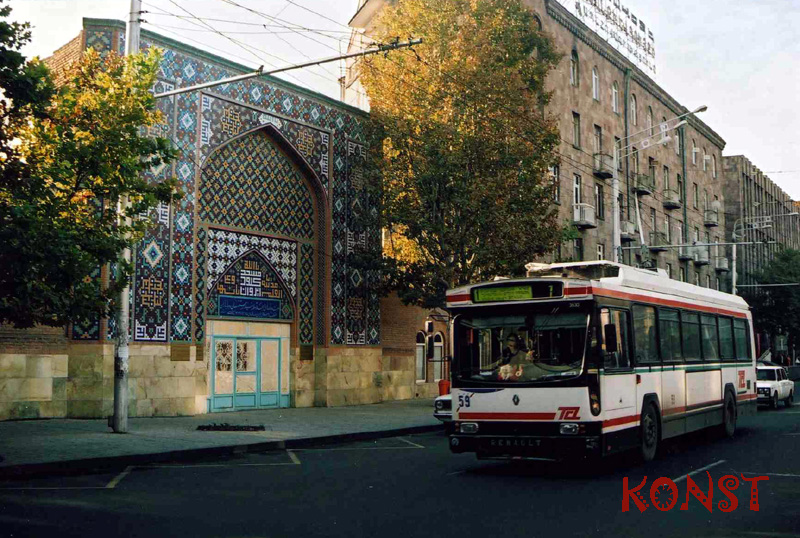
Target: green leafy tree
x=776, y=309
x=460, y=144
x=70, y=155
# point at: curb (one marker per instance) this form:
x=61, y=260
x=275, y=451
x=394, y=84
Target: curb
x=72, y=467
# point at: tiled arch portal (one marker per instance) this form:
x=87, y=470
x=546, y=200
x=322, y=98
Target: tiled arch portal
x=254, y=197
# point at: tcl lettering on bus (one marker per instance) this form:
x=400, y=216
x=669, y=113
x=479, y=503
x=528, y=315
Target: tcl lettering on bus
x=587, y=359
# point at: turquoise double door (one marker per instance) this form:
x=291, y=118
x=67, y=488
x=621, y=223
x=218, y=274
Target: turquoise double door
x=249, y=373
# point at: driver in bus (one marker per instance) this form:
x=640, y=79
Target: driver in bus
x=513, y=359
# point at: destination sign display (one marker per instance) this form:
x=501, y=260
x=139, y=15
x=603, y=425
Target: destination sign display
x=518, y=292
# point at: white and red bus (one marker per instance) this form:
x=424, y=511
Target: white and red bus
x=588, y=359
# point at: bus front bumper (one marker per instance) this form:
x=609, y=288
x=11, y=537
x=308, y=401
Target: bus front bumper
x=549, y=447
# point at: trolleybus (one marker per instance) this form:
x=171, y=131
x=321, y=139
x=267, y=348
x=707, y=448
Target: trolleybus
x=588, y=359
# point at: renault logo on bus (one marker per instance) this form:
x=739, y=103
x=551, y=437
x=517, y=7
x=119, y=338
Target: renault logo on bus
x=515, y=399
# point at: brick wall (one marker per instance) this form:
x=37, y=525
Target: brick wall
x=400, y=324
x=63, y=57
x=35, y=340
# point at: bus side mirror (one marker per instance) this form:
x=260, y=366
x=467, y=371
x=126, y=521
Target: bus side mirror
x=610, y=338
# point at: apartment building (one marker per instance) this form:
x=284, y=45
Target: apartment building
x=601, y=100
x=759, y=211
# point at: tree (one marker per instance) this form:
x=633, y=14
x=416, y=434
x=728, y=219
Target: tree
x=69, y=157
x=776, y=309
x=460, y=142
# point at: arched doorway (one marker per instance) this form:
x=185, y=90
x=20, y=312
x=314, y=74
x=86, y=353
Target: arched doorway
x=261, y=211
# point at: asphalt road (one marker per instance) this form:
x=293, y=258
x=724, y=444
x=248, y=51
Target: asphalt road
x=412, y=486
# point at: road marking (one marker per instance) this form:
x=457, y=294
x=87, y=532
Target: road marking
x=700, y=470
x=116, y=480
x=356, y=448
x=410, y=443
x=457, y=472
x=774, y=474
x=293, y=457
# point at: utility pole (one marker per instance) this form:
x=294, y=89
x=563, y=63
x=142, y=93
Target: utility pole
x=122, y=354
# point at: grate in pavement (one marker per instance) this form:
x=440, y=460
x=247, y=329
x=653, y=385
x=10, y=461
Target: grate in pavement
x=229, y=428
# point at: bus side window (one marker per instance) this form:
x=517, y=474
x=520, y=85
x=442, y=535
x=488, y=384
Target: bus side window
x=740, y=338
x=644, y=334
x=710, y=338
x=726, y=351
x=670, y=335
x=616, y=327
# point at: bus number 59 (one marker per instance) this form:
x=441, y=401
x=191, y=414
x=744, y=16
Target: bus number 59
x=463, y=400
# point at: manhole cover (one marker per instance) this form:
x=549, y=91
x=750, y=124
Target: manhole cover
x=229, y=428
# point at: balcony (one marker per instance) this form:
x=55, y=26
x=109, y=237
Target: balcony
x=721, y=264
x=686, y=253
x=644, y=184
x=711, y=218
x=603, y=166
x=657, y=242
x=583, y=216
x=672, y=199
x=700, y=256
x=627, y=230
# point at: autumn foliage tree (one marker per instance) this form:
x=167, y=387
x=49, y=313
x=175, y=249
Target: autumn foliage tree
x=69, y=155
x=461, y=143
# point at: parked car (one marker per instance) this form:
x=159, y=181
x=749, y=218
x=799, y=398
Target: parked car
x=443, y=408
x=774, y=385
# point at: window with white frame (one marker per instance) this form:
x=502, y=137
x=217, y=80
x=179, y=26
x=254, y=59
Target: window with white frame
x=649, y=120
x=696, y=278
x=595, y=84
x=420, y=356
x=678, y=142
x=714, y=166
x=668, y=228
x=705, y=166
x=554, y=177
x=683, y=274
x=669, y=270
x=634, y=118
x=576, y=189
x=708, y=281
x=601, y=251
x=438, y=357
x=694, y=151
x=576, y=129
x=663, y=133
x=615, y=97
x=574, y=69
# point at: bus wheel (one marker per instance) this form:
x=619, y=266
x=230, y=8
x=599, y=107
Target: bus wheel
x=729, y=415
x=649, y=433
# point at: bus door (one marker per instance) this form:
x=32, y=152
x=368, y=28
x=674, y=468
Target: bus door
x=618, y=384
x=673, y=375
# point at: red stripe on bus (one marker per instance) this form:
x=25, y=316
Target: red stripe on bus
x=506, y=416
x=666, y=302
x=584, y=290
x=620, y=420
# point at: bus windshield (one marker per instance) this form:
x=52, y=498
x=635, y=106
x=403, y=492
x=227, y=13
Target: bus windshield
x=520, y=348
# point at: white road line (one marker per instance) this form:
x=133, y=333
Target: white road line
x=293, y=457
x=774, y=474
x=455, y=473
x=117, y=479
x=410, y=443
x=700, y=470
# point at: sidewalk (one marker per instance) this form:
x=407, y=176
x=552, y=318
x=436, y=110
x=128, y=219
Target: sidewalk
x=58, y=445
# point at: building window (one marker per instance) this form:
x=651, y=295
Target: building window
x=621, y=204
x=555, y=172
x=615, y=97
x=678, y=137
x=696, y=278
x=683, y=274
x=601, y=251
x=708, y=281
x=668, y=228
x=576, y=129
x=651, y=169
x=680, y=186
x=705, y=166
x=595, y=85
x=438, y=357
x=653, y=219
x=538, y=22
x=663, y=128
x=714, y=166
x=694, y=152
x=695, y=196
x=618, y=145
x=420, y=356
x=598, y=143
x=635, y=160
x=666, y=178
x=577, y=249
x=574, y=71
x=576, y=190
x=634, y=118
x=599, y=201
x=649, y=120
x=669, y=270
x=718, y=287
x=705, y=200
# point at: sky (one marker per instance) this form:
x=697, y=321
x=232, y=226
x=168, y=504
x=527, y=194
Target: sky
x=741, y=58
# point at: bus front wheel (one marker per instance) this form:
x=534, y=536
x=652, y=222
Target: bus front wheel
x=649, y=433
x=729, y=415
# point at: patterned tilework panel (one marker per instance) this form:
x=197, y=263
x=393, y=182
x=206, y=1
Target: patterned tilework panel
x=99, y=40
x=225, y=247
x=357, y=287
x=88, y=329
x=222, y=119
x=250, y=288
x=307, y=294
x=250, y=183
x=151, y=283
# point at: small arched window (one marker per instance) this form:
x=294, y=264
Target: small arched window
x=634, y=118
x=649, y=120
x=420, y=356
x=714, y=166
x=574, y=69
x=595, y=84
x=615, y=97
x=538, y=22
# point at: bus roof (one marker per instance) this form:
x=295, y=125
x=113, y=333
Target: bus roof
x=611, y=276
